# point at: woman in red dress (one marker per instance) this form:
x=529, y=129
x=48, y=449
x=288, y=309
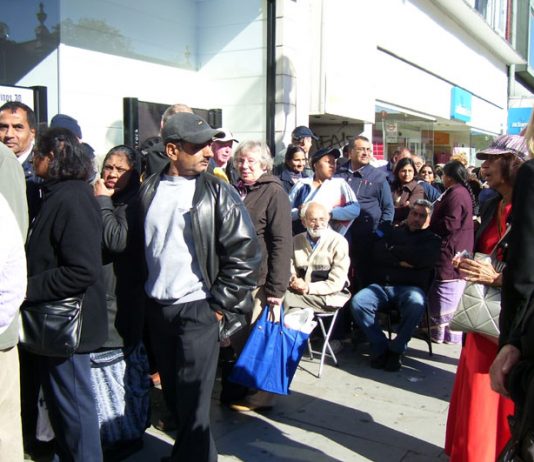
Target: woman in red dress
x=477, y=427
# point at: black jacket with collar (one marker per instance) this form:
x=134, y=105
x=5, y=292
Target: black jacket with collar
x=420, y=249
x=224, y=238
x=122, y=253
x=517, y=304
x=64, y=255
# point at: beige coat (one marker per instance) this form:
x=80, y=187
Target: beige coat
x=325, y=268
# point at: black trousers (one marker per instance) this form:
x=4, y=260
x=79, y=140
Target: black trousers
x=68, y=392
x=185, y=341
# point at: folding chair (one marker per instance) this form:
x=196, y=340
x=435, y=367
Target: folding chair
x=326, y=339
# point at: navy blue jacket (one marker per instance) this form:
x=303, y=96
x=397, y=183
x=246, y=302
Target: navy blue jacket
x=374, y=196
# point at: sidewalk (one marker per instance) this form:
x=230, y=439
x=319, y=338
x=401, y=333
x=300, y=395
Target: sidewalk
x=352, y=413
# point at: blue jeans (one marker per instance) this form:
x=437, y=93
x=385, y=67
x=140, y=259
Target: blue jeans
x=408, y=300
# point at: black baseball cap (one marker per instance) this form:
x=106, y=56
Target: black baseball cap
x=188, y=127
x=302, y=132
x=324, y=152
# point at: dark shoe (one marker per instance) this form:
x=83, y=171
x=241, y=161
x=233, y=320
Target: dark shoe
x=379, y=361
x=166, y=424
x=40, y=450
x=393, y=362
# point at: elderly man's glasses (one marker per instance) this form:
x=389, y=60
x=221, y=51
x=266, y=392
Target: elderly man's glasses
x=317, y=221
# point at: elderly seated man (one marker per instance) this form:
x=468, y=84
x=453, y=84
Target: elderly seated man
x=404, y=258
x=319, y=264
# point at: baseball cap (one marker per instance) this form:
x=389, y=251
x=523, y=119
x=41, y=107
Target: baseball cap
x=506, y=144
x=188, y=127
x=68, y=122
x=226, y=136
x=302, y=132
x=324, y=152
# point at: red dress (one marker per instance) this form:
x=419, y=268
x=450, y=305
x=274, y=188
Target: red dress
x=477, y=425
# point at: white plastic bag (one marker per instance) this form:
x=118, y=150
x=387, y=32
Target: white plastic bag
x=300, y=320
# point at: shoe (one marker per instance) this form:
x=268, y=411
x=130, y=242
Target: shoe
x=249, y=407
x=393, y=362
x=259, y=401
x=39, y=450
x=166, y=424
x=379, y=361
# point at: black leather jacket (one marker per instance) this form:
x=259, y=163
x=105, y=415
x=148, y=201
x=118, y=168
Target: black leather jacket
x=225, y=241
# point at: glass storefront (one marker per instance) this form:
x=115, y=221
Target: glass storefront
x=436, y=141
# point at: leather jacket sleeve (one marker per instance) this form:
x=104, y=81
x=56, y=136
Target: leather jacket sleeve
x=226, y=245
x=518, y=276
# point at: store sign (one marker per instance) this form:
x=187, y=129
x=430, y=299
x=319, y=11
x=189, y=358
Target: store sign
x=460, y=104
x=391, y=127
x=19, y=94
x=518, y=118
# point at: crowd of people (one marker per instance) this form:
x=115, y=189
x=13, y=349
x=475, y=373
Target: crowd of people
x=175, y=250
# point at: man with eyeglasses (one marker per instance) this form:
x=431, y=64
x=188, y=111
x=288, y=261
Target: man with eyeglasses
x=202, y=259
x=376, y=205
x=319, y=264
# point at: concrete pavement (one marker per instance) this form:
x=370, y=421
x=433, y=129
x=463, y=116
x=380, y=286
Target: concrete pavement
x=352, y=413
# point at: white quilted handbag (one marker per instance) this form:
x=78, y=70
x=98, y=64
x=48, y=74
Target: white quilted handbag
x=478, y=310
x=480, y=305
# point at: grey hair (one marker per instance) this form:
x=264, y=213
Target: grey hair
x=304, y=208
x=423, y=203
x=266, y=159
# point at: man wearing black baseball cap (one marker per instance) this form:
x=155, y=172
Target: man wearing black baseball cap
x=202, y=258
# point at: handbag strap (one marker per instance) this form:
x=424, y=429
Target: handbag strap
x=265, y=313
x=493, y=254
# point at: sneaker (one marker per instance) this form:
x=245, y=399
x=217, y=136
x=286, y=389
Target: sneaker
x=393, y=362
x=379, y=361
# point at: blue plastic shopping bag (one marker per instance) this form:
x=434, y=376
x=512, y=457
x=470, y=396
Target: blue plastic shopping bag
x=270, y=357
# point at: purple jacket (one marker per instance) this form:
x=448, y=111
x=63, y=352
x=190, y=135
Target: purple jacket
x=452, y=220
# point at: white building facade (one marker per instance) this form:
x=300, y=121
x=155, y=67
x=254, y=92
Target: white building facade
x=436, y=76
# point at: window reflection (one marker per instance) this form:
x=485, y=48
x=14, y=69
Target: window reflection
x=28, y=34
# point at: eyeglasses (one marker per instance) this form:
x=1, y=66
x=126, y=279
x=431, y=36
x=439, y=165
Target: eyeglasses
x=249, y=162
x=317, y=221
x=427, y=172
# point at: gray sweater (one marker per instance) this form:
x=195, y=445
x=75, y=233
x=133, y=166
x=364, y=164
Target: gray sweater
x=173, y=272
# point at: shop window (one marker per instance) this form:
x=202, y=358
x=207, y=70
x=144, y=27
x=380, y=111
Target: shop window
x=495, y=12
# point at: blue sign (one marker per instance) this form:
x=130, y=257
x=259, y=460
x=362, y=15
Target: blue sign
x=460, y=104
x=518, y=118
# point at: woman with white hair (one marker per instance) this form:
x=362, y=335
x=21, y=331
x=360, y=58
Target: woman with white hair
x=267, y=204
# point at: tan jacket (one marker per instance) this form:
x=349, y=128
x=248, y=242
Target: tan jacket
x=325, y=268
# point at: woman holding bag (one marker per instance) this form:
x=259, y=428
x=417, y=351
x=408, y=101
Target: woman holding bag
x=268, y=206
x=477, y=427
x=64, y=260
